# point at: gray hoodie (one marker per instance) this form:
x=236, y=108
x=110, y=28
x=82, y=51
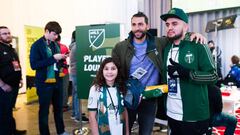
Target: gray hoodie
x=73, y=58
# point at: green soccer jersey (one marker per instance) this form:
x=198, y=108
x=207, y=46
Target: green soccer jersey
x=193, y=101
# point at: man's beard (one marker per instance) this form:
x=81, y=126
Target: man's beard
x=142, y=36
x=6, y=41
x=176, y=37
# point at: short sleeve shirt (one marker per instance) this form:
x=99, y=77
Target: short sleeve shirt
x=113, y=119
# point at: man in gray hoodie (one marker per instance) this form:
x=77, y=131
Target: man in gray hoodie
x=73, y=75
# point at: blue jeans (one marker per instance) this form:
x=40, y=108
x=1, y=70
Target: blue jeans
x=50, y=94
x=224, y=119
x=146, y=112
x=75, y=100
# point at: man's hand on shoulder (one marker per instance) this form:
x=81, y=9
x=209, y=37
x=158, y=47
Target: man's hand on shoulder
x=198, y=38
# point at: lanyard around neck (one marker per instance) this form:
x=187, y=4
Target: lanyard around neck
x=116, y=109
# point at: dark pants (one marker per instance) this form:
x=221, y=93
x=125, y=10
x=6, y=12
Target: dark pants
x=188, y=128
x=146, y=115
x=15, y=94
x=7, y=122
x=64, y=86
x=224, y=119
x=48, y=94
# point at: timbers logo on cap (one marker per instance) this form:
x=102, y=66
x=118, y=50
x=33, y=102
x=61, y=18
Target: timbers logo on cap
x=175, y=13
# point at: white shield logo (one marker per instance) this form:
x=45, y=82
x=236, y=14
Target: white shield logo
x=96, y=37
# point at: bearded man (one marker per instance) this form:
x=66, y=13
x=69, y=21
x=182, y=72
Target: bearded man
x=188, y=69
x=10, y=81
x=140, y=57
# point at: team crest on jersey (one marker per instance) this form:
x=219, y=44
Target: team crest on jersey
x=189, y=57
x=96, y=37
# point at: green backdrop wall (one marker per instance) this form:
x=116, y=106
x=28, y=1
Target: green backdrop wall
x=94, y=44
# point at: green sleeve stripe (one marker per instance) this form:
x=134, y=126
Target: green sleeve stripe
x=205, y=77
x=209, y=77
x=209, y=55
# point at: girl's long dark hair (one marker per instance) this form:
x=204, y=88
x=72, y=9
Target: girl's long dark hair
x=99, y=81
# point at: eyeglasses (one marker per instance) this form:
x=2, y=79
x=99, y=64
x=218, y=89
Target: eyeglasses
x=7, y=33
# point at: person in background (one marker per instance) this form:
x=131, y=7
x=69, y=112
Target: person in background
x=188, y=69
x=10, y=78
x=107, y=113
x=217, y=117
x=45, y=57
x=234, y=74
x=217, y=55
x=64, y=75
x=76, y=107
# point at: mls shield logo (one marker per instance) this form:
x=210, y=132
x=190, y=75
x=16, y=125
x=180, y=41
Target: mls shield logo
x=96, y=37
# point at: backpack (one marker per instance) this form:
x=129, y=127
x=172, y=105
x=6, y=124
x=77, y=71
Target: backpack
x=134, y=93
x=229, y=79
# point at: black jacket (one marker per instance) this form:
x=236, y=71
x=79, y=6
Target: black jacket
x=7, y=73
x=215, y=99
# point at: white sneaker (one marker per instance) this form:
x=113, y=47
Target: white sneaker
x=72, y=117
x=77, y=120
x=64, y=133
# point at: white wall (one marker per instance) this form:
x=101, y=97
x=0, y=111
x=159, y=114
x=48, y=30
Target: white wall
x=193, y=6
x=228, y=40
x=69, y=13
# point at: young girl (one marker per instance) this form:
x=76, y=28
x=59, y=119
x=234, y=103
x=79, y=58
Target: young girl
x=107, y=114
